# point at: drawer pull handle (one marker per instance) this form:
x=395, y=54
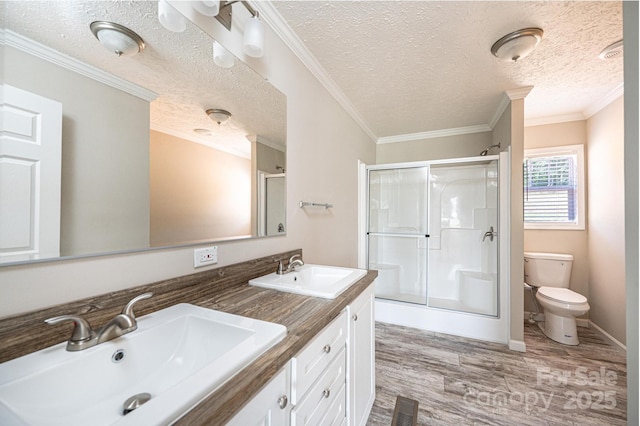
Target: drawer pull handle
x=326, y=392
x=326, y=349
x=282, y=402
x=355, y=317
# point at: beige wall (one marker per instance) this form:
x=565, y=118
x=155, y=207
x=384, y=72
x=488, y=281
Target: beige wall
x=105, y=145
x=267, y=159
x=315, y=172
x=572, y=242
x=456, y=146
x=606, y=220
x=212, y=194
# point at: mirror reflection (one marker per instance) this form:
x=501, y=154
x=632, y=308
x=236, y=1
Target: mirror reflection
x=139, y=162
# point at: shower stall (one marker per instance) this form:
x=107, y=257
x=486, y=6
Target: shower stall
x=433, y=236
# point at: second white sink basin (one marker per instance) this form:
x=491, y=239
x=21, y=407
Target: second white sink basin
x=312, y=280
x=177, y=355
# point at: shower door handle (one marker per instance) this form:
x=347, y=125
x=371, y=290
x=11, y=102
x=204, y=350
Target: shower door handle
x=490, y=233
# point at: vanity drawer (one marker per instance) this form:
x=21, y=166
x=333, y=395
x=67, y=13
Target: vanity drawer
x=307, y=366
x=325, y=403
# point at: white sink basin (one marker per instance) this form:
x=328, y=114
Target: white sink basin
x=312, y=280
x=178, y=355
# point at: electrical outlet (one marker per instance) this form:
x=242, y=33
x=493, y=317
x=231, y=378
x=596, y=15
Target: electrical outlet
x=205, y=256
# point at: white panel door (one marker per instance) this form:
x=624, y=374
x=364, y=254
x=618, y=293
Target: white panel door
x=30, y=170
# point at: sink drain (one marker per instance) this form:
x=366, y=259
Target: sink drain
x=134, y=402
x=118, y=356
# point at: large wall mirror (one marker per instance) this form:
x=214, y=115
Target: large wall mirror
x=140, y=163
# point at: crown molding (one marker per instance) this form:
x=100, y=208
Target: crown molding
x=518, y=93
x=502, y=106
x=565, y=118
x=434, y=134
x=201, y=140
x=273, y=18
x=266, y=142
x=31, y=47
x=596, y=107
x=605, y=101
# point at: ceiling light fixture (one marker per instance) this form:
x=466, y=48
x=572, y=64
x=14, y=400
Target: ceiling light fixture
x=170, y=18
x=221, y=56
x=253, y=40
x=218, y=115
x=117, y=38
x=517, y=45
x=207, y=7
x=614, y=50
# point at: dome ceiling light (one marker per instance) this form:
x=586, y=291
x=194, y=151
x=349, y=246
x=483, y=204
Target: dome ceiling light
x=517, y=45
x=218, y=115
x=117, y=38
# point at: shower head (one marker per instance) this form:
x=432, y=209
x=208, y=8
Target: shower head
x=486, y=151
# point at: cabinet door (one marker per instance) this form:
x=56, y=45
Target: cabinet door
x=362, y=386
x=270, y=407
x=307, y=365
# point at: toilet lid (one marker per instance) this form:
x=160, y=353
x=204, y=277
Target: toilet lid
x=563, y=295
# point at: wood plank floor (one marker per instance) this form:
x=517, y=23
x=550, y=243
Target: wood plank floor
x=459, y=381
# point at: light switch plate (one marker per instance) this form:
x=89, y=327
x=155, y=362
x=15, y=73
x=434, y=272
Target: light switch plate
x=205, y=256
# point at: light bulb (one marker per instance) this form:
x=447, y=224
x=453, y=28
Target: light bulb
x=207, y=7
x=170, y=18
x=221, y=56
x=253, y=43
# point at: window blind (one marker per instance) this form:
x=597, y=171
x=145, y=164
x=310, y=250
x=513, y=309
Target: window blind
x=550, y=189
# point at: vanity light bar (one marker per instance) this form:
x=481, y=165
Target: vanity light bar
x=224, y=16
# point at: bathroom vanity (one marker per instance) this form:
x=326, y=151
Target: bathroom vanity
x=321, y=372
x=331, y=381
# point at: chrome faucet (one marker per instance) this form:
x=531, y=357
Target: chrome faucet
x=84, y=337
x=295, y=260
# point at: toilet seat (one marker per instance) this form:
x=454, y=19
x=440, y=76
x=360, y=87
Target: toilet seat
x=562, y=295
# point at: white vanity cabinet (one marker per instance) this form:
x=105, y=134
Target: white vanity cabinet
x=270, y=406
x=318, y=378
x=329, y=382
x=361, y=364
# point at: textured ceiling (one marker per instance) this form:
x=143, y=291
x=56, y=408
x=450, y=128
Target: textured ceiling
x=420, y=66
x=405, y=67
x=178, y=67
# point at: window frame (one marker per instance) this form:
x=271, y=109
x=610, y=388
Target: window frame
x=578, y=151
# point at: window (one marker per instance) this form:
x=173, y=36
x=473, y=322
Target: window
x=554, y=188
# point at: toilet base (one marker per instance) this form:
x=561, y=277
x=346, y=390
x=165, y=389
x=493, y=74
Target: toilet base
x=561, y=329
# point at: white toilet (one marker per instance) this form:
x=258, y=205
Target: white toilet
x=550, y=273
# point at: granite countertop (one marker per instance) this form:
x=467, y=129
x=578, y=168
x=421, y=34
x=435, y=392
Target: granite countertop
x=304, y=317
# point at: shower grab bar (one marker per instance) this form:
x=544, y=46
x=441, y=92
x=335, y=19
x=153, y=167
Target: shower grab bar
x=305, y=204
x=391, y=234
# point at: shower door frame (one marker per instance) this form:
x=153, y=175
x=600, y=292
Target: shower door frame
x=490, y=328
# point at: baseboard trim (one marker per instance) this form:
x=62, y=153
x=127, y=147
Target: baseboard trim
x=608, y=336
x=517, y=345
x=581, y=322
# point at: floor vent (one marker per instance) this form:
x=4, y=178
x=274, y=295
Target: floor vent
x=405, y=413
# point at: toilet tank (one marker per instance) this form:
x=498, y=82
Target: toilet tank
x=547, y=269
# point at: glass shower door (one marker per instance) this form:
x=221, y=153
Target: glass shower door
x=463, y=248
x=398, y=232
